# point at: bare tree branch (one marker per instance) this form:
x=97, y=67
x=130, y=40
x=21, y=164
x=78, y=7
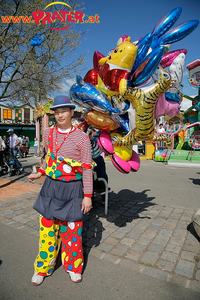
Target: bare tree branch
x=31, y=73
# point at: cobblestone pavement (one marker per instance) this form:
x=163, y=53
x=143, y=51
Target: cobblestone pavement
x=155, y=240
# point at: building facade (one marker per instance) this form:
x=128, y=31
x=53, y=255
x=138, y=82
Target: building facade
x=20, y=118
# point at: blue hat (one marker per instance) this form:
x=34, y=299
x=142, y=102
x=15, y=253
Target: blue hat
x=62, y=101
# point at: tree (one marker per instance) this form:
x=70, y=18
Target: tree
x=27, y=73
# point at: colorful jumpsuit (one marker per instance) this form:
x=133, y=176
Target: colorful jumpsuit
x=55, y=233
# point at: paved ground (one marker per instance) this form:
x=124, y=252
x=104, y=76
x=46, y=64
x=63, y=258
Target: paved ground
x=148, y=230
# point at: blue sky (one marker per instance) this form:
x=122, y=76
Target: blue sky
x=136, y=19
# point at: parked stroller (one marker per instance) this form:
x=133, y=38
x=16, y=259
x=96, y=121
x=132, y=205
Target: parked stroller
x=9, y=164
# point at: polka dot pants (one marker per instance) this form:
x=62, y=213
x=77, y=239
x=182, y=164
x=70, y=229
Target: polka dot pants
x=52, y=232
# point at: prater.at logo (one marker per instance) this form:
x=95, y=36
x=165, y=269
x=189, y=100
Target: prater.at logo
x=63, y=16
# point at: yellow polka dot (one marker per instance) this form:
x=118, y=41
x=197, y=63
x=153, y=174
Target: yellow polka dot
x=77, y=263
x=63, y=256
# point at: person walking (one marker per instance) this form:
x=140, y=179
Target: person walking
x=65, y=195
x=36, y=144
x=27, y=145
x=6, y=141
x=13, y=144
x=19, y=146
x=2, y=148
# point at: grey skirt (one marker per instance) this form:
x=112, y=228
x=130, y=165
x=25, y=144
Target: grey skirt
x=60, y=200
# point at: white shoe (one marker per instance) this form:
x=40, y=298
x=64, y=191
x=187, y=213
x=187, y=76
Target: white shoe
x=37, y=279
x=75, y=277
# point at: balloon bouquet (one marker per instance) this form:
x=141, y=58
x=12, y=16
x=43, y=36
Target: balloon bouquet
x=129, y=88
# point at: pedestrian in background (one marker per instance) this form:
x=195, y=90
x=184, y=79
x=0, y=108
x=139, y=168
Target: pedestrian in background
x=19, y=147
x=2, y=147
x=36, y=144
x=6, y=141
x=23, y=140
x=27, y=144
x=14, y=143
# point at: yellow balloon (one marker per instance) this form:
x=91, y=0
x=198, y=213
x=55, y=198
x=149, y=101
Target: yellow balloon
x=124, y=152
x=100, y=121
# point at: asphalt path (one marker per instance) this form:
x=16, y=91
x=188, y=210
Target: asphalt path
x=101, y=280
x=162, y=184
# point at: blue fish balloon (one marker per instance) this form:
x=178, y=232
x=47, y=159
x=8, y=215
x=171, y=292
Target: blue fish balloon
x=86, y=95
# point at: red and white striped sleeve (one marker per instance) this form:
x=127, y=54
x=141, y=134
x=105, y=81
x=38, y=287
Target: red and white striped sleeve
x=86, y=157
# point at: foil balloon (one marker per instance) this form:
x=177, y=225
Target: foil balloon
x=124, y=124
x=100, y=120
x=123, y=158
x=176, y=72
x=143, y=101
x=169, y=57
x=137, y=72
x=167, y=22
x=173, y=97
x=86, y=95
x=116, y=69
x=134, y=162
x=124, y=152
x=122, y=39
x=96, y=58
x=179, y=32
x=105, y=143
x=125, y=167
x=120, y=164
x=118, y=94
x=155, y=58
x=143, y=47
x=37, y=40
x=164, y=107
x=91, y=77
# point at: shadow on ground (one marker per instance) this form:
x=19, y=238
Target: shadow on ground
x=123, y=208
x=195, y=181
x=191, y=229
x=127, y=205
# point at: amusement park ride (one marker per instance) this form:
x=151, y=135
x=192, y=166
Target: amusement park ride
x=188, y=134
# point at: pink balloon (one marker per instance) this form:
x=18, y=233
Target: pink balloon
x=134, y=162
x=164, y=107
x=120, y=164
x=169, y=57
x=105, y=143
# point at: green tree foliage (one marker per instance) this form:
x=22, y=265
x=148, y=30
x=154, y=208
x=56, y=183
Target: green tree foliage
x=29, y=74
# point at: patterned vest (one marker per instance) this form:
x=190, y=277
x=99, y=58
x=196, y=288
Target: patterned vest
x=62, y=168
